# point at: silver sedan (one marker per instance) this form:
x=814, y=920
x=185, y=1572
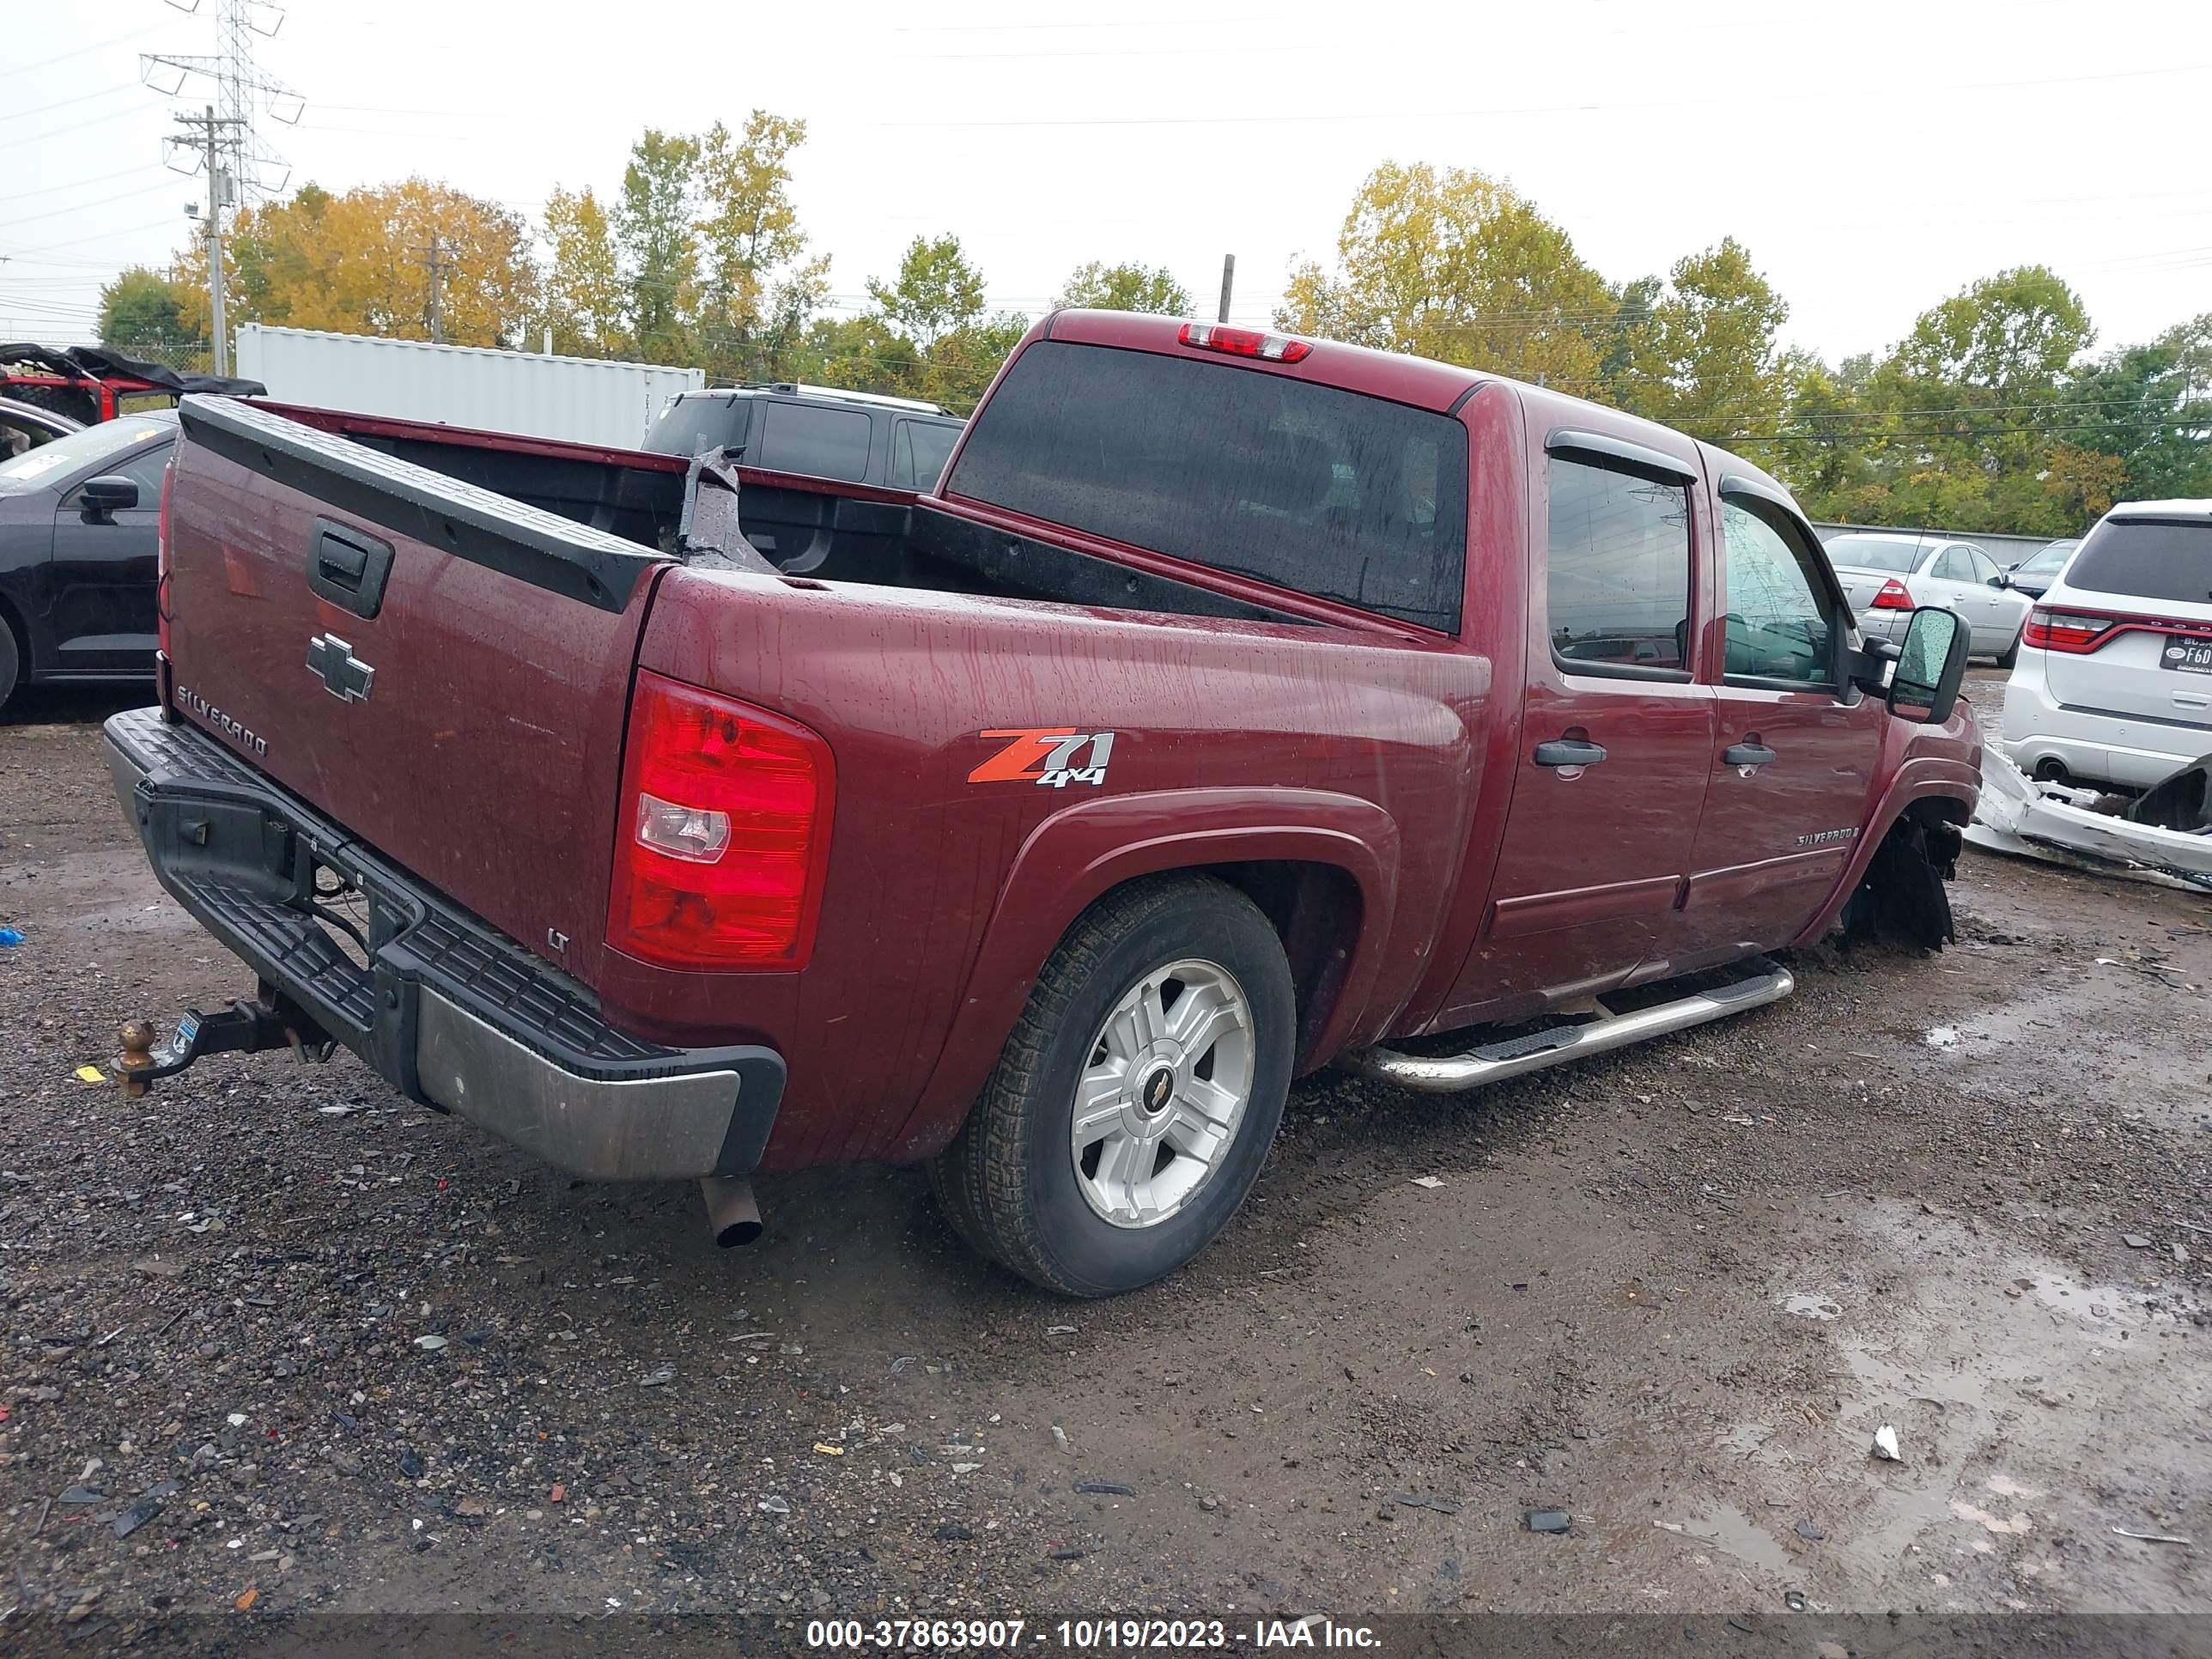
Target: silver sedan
x=1887, y=576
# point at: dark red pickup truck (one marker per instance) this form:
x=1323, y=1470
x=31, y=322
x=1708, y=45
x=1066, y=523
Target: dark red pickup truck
x=1238, y=705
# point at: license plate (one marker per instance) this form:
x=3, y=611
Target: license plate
x=2189, y=656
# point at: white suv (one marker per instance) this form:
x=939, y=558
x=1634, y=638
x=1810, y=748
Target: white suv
x=2114, y=681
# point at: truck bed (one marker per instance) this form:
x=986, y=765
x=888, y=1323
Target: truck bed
x=816, y=528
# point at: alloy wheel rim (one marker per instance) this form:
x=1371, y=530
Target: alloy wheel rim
x=1162, y=1093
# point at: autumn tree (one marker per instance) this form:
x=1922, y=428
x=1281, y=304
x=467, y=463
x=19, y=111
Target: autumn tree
x=1101, y=287
x=143, y=309
x=357, y=264
x=586, y=301
x=1454, y=264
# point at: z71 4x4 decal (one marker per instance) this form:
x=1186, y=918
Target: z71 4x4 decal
x=1047, y=755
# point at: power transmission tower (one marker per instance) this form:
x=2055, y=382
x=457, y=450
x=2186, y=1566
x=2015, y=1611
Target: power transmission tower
x=223, y=142
x=213, y=137
x=436, y=261
x=244, y=91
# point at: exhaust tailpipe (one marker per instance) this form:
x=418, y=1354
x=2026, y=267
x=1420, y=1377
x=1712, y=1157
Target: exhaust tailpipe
x=731, y=1211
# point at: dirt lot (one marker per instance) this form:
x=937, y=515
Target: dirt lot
x=336, y=1351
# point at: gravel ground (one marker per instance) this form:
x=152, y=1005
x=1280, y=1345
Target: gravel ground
x=275, y=1340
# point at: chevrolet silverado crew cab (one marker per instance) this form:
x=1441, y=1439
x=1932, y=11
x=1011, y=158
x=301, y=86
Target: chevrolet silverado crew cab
x=1235, y=705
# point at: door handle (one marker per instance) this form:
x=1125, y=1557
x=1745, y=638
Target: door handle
x=1747, y=754
x=1568, y=752
x=348, y=567
x=340, y=562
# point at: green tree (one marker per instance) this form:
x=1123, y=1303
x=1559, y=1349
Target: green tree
x=585, y=298
x=1101, y=287
x=962, y=360
x=1632, y=313
x=142, y=308
x=660, y=242
x=1456, y=266
x=2151, y=408
x=1825, y=456
x=861, y=353
x=758, y=290
x=1705, y=359
x=935, y=291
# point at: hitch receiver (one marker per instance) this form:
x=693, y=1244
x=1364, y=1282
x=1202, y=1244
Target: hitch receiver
x=268, y=1020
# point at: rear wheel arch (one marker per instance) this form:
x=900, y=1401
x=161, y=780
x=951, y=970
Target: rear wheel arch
x=1322, y=868
x=1177, y=1133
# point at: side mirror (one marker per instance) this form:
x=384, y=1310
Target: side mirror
x=1931, y=664
x=108, y=494
x=2002, y=578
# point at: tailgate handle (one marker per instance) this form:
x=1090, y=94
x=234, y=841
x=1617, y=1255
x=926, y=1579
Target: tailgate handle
x=348, y=567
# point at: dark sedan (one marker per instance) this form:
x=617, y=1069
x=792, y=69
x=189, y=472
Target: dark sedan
x=78, y=519
x=2034, y=574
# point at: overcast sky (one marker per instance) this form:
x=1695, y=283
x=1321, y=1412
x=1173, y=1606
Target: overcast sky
x=1875, y=155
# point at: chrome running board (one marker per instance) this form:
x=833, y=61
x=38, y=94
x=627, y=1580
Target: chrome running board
x=1492, y=1062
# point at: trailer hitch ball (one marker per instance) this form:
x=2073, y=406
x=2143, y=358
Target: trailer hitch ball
x=137, y=1057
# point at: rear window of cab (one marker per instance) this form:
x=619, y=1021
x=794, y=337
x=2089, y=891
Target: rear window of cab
x=1317, y=489
x=2164, y=559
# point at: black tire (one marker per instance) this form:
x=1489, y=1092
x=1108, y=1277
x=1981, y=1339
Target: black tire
x=1008, y=1183
x=11, y=662
x=2011, y=658
x=82, y=407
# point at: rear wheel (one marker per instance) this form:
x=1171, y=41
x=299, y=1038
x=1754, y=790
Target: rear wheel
x=1132, y=1107
x=82, y=407
x=2011, y=656
x=11, y=662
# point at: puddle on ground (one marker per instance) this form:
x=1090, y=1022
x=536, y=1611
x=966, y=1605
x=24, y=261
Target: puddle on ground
x=1746, y=1437
x=1807, y=1306
x=1730, y=1531
x=1941, y=1036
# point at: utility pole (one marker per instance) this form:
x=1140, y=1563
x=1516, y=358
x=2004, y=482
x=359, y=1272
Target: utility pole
x=435, y=260
x=1228, y=283
x=213, y=136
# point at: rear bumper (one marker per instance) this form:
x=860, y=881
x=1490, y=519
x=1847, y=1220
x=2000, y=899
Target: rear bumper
x=2096, y=746
x=452, y=1012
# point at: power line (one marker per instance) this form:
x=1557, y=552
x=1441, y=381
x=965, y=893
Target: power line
x=79, y=52
x=75, y=184
x=80, y=207
x=62, y=103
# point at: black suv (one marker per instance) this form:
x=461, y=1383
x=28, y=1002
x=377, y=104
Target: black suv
x=820, y=432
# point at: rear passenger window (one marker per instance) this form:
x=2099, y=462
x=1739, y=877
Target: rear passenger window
x=821, y=443
x=919, y=452
x=1314, y=489
x=1619, y=594
x=1779, y=622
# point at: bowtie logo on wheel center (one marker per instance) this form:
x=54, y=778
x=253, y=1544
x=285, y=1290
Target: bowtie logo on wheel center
x=1158, y=1090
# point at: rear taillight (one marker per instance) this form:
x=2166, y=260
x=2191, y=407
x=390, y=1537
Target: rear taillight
x=1892, y=597
x=2076, y=632
x=1245, y=342
x=724, y=834
x=161, y=559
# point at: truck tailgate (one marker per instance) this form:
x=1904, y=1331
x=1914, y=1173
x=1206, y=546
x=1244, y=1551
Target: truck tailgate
x=466, y=721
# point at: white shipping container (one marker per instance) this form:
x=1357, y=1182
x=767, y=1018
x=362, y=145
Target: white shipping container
x=585, y=399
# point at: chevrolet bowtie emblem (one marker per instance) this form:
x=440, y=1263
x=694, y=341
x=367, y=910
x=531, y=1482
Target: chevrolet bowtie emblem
x=343, y=675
